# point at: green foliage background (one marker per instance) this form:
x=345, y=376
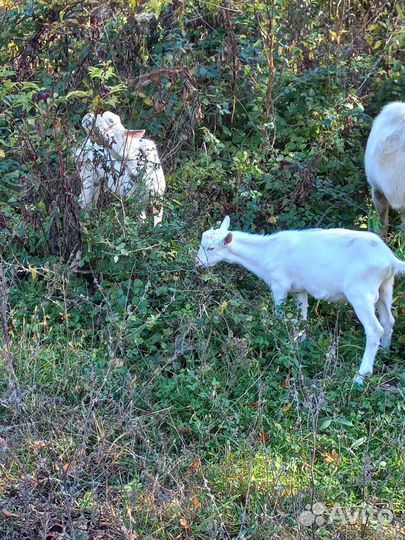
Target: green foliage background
x=158, y=401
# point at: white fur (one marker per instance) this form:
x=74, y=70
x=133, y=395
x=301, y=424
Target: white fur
x=385, y=161
x=329, y=264
x=97, y=167
x=127, y=164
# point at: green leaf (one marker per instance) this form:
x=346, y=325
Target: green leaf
x=344, y=422
x=77, y=94
x=325, y=423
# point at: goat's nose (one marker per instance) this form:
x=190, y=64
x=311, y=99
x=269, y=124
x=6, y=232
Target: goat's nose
x=87, y=120
x=197, y=262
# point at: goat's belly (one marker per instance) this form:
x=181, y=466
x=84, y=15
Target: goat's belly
x=320, y=293
x=330, y=296
x=396, y=199
x=336, y=297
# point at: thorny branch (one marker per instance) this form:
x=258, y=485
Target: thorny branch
x=267, y=32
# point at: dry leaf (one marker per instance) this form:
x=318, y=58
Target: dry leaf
x=158, y=105
x=287, y=407
x=195, y=464
x=67, y=467
x=184, y=523
x=6, y=514
x=331, y=457
x=196, y=503
x=185, y=431
x=286, y=382
x=263, y=437
x=39, y=444
x=116, y=363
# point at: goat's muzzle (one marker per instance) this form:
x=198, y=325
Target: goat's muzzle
x=88, y=121
x=198, y=263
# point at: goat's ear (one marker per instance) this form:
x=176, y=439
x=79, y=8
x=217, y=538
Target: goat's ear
x=225, y=223
x=228, y=239
x=136, y=133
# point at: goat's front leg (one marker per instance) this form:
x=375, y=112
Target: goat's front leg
x=279, y=295
x=302, y=301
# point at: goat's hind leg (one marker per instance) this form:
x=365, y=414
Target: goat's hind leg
x=384, y=304
x=364, y=306
x=382, y=206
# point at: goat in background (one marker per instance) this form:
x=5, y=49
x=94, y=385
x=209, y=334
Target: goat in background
x=126, y=161
x=385, y=162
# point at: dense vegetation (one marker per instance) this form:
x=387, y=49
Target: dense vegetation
x=155, y=401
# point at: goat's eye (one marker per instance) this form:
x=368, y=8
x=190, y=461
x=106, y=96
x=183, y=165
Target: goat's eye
x=210, y=249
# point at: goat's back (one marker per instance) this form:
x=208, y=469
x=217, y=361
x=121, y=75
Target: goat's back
x=385, y=154
x=143, y=159
x=327, y=263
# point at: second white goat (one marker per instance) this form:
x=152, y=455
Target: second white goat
x=328, y=264
x=385, y=162
x=129, y=162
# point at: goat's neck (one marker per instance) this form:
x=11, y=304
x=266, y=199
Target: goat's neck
x=249, y=251
x=119, y=144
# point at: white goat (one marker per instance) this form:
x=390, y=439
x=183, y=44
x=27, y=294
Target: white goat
x=329, y=264
x=385, y=161
x=124, y=158
x=97, y=168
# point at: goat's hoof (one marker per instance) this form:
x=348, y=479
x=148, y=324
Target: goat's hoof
x=385, y=342
x=359, y=378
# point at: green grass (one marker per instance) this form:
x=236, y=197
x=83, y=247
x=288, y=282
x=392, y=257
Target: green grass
x=207, y=418
x=159, y=402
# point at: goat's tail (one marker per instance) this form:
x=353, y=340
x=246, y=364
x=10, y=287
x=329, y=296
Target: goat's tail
x=399, y=267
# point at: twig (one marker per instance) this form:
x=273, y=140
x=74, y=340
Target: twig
x=234, y=51
x=268, y=40
x=13, y=386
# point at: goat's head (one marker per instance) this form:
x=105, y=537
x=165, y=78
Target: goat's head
x=107, y=129
x=214, y=244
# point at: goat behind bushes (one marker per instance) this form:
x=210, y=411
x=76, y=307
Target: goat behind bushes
x=385, y=162
x=129, y=162
x=328, y=264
